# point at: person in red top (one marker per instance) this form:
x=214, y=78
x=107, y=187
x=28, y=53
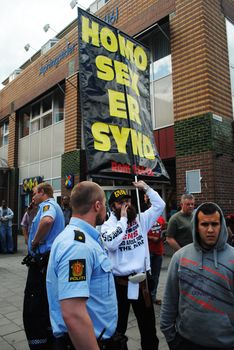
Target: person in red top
x=155, y=239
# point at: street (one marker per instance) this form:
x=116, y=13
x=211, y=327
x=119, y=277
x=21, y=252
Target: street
x=13, y=277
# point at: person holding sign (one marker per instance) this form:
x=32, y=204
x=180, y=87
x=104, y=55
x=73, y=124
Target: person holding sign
x=125, y=236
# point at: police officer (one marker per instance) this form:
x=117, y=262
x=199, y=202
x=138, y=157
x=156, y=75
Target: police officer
x=80, y=285
x=46, y=225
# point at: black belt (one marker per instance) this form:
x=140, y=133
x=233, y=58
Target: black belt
x=116, y=342
x=39, y=260
x=123, y=281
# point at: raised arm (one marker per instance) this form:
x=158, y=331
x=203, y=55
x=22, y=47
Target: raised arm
x=113, y=231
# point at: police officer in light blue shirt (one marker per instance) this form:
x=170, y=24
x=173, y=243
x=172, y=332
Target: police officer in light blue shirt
x=80, y=284
x=46, y=226
x=48, y=208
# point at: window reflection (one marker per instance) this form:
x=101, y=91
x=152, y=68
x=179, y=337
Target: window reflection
x=158, y=41
x=160, y=68
x=4, y=132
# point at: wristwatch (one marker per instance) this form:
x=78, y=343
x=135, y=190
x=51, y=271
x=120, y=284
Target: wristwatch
x=146, y=188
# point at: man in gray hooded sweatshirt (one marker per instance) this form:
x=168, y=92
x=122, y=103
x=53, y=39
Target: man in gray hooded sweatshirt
x=198, y=305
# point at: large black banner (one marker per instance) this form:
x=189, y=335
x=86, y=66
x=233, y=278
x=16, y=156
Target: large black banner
x=115, y=101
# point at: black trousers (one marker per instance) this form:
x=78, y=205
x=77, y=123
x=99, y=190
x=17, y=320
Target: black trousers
x=116, y=342
x=180, y=343
x=145, y=317
x=36, y=310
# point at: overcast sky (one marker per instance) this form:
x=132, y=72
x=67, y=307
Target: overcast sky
x=22, y=21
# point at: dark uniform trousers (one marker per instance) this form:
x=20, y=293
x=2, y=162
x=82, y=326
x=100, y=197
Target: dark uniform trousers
x=36, y=310
x=180, y=343
x=116, y=342
x=143, y=310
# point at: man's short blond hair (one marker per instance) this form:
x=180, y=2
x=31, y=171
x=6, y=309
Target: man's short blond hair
x=47, y=188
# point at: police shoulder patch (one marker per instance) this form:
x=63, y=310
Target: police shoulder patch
x=79, y=236
x=46, y=207
x=77, y=270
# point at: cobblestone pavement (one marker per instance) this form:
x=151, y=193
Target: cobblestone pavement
x=13, y=277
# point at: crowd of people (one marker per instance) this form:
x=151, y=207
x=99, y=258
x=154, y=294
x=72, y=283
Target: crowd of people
x=82, y=280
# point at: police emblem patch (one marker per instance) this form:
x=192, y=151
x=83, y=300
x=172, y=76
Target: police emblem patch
x=77, y=270
x=46, y=207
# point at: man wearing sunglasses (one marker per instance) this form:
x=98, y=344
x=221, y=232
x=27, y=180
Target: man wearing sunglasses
x=197, y=311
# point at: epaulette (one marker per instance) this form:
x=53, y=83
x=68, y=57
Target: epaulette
x=79, y=236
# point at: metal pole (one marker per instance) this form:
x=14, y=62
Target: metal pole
x=138, y=199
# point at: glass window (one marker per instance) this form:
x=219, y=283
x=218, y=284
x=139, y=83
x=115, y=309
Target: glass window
x=1, y=136
x=161, y=68
x=43, y=113
x=58, y=107
x=56, y=184
x=35, y=125
x=36, y=110
x=46, y=120
x=162, y=102
x=4, y=132
x=6, y=126
x=24, y=118
x=158, y=41
x=47, y=103
x=5, y=140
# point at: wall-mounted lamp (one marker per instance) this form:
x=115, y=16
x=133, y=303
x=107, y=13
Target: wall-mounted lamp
x=28, y=46
x=47, y=27
x=73, y=3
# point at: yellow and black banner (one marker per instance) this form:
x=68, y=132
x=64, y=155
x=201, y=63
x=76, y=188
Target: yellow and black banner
x=115, y=101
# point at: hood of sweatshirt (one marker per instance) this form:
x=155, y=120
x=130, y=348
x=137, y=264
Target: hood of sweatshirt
x=222, y=239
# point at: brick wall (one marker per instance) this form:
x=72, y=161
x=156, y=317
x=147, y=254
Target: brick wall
x=202, y=161
x=205, y=143
x=201, y=78
x=72, y=119
x=137, y=15
x=201, y=88
x=12, y=141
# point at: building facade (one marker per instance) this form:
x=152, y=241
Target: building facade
x=192, y=64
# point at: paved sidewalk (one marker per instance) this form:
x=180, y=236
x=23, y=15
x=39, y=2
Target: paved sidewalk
x=13, y=277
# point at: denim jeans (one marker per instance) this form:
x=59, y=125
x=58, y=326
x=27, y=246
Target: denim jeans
x=6, y=238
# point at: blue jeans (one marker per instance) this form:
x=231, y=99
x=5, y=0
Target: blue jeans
x=156, y=263
x=6, y=239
